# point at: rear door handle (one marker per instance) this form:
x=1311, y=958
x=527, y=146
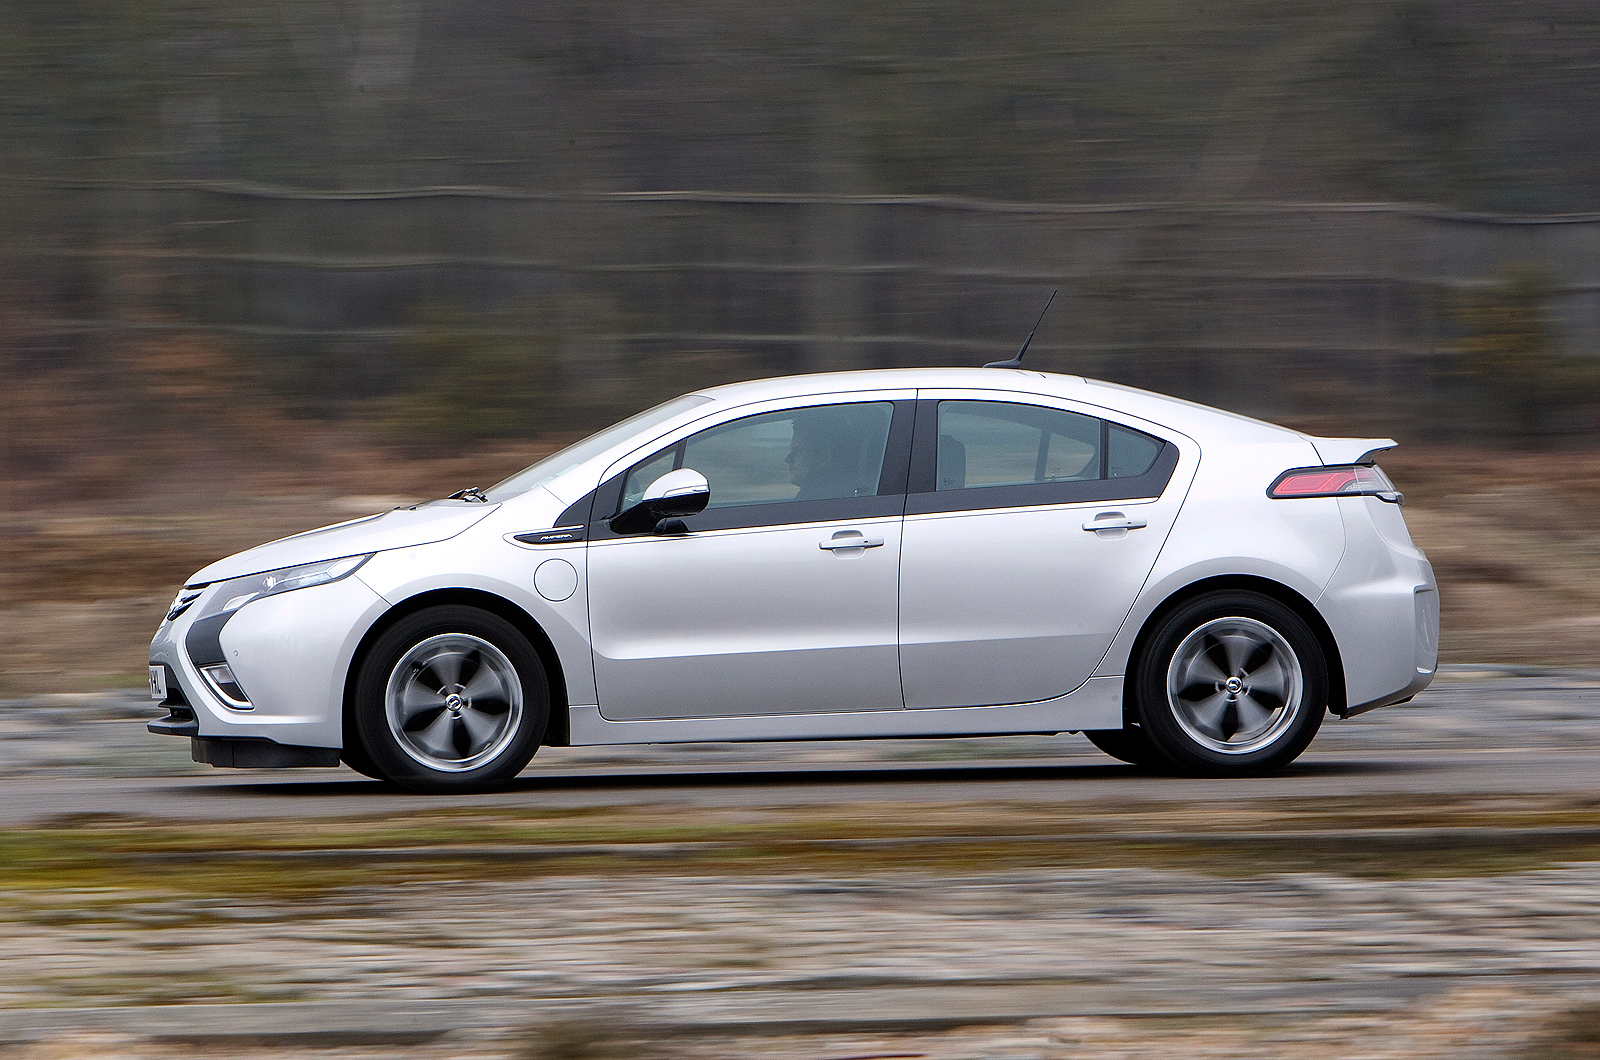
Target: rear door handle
x=1119, y=523
x=849, y=539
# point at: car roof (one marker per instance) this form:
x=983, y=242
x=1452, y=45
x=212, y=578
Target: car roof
x=1158, y=408
x=893, y=379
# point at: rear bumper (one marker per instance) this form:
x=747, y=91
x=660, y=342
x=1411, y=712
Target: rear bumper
x=1418, y=683
x=1382, y=606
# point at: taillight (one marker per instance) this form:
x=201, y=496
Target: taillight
x=1344, y=480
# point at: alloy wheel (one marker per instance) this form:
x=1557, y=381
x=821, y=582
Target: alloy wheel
x=1235, y=685
x=453, y=702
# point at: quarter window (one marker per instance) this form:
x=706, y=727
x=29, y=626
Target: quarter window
x=1131, y=453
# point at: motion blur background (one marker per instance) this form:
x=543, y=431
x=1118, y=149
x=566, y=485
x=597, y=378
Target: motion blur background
x=269, y=265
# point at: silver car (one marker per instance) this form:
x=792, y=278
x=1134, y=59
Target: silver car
x=911, y=553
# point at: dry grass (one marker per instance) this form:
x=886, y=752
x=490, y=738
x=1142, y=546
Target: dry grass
x=1575, y=1035
x=1513, y=540
x=53, y=861
x=88, y=573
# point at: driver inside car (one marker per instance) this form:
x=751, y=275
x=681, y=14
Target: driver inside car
x=823, y=455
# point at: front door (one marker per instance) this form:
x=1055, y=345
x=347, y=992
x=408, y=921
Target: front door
x=1029, y=531
x=782, y=597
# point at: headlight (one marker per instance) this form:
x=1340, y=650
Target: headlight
x=234, y=594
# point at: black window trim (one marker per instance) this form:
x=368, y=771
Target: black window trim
x=926, y=499
x=602, y=503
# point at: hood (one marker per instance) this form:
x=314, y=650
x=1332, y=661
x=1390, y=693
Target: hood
x=1350, y=450
x=401, y=528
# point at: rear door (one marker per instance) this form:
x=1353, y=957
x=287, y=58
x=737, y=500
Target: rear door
x=1030, y=527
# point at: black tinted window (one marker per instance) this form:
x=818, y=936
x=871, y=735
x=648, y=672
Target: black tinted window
x=1003, y=443
x=1132, y=453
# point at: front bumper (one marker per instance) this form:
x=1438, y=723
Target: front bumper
x=291, y=654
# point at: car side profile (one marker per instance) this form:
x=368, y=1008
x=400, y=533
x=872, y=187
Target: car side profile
x=907, y=552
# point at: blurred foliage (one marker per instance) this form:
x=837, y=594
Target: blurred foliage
x=1524, y=386
x=529, y=367
x=460, y=375
x=1480, y=103
x=1477, y=104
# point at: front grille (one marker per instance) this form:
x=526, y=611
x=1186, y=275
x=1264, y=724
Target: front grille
x=180, y=603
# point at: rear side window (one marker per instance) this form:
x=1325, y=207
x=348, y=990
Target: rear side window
x=999, y=443
x=974, y=455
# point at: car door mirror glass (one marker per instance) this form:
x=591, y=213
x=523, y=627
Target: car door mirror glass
x=676, y=494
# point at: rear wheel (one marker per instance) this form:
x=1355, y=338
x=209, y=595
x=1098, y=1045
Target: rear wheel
x=1231, y=684
x=450, y=700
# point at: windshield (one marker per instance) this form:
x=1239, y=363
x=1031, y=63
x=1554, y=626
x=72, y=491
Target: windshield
x=551, y=467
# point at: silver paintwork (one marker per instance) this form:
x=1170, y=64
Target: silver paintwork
x=755, y=621
x=400, y=528
x=990, y=629
x=1096, y=704
x=1011, y=620
x=684, y=482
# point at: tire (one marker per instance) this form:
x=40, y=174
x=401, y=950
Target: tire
x=356, y=758
x=450, y=700
x=1231, y=684
x=1126, y=745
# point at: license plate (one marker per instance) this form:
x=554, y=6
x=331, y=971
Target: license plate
x=158, y=682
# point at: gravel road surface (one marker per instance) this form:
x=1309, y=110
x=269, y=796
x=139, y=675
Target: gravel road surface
x=860, y=959
x=1475, y=730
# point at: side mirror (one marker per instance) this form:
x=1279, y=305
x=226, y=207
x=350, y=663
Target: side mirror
x=672, y=496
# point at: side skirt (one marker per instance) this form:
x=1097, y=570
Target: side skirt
x=1096, y=704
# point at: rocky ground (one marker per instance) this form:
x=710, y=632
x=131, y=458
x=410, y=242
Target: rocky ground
x=128, y=937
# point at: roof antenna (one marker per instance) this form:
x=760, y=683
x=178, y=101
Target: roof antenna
x=1016, y=362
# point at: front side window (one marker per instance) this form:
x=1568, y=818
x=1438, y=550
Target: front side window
x=821, y=452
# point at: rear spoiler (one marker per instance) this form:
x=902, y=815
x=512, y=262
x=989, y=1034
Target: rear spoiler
x=1350, y=450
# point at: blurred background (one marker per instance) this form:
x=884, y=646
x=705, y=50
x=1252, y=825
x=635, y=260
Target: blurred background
x=270, y=265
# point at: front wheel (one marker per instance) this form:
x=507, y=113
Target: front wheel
x=450, y=700
x=1126, y=745
x=1231, y=684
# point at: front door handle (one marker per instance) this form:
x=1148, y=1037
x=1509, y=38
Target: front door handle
x=850, y=539
x=1117, y=522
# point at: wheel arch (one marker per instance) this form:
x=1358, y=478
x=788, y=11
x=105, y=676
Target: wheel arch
x=1337, y=701
x=557, y=727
